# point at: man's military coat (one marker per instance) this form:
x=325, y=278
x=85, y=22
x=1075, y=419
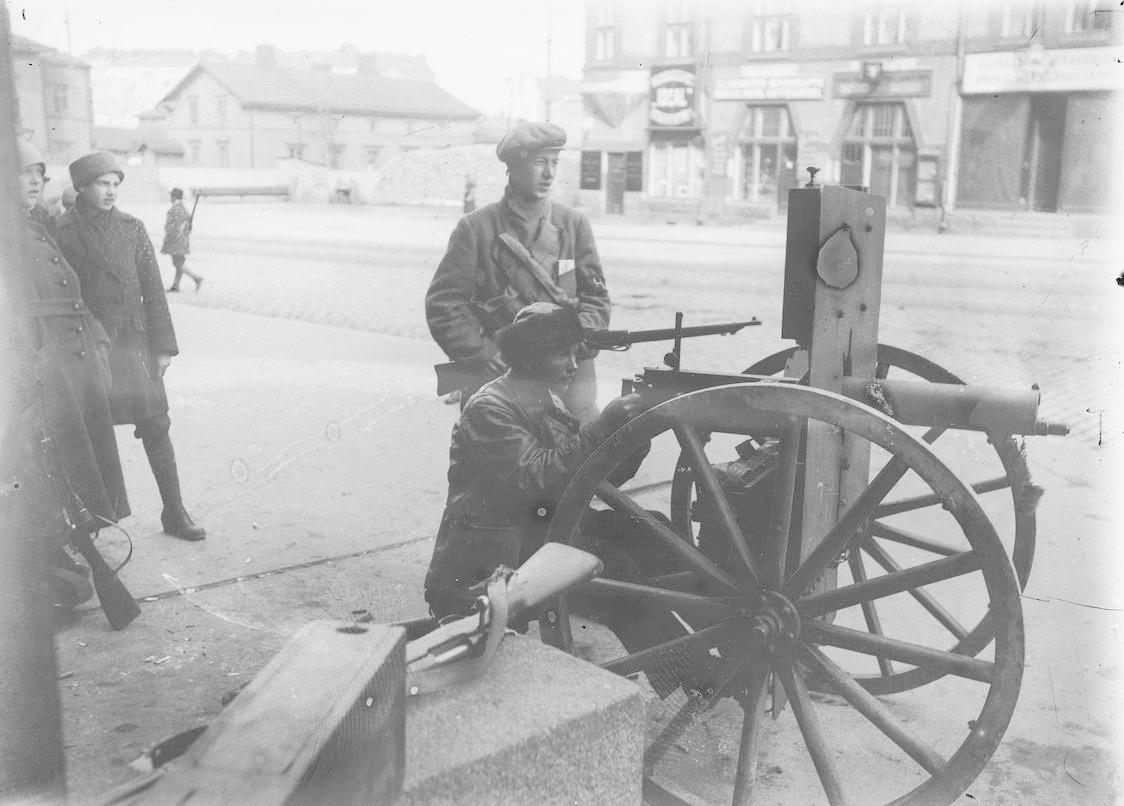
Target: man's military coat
x=483, y=280
x=116, y=264
x=61, y=383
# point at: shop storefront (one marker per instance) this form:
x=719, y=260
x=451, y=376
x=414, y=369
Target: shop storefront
x=1038, y=129
x=675, y=143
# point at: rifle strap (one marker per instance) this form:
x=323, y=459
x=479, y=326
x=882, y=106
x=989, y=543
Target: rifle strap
x=557, y=295
x=436, y=678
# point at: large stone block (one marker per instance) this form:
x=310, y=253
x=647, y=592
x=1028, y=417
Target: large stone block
x=540, y=727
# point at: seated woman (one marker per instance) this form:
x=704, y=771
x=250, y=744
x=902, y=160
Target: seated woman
x=513, y=452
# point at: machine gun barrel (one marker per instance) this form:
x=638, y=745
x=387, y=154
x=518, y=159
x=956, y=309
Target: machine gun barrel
x=623, y=339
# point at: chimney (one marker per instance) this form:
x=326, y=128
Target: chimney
x=265, y=56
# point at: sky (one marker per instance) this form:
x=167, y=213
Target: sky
x=474, y=47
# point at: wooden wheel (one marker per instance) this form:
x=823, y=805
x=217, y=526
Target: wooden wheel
x=751, y=628
x=901, y=520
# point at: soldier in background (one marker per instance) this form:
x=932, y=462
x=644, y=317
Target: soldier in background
x=524, y=248
x=62, y=379
x=116, y=264
x=177, y=243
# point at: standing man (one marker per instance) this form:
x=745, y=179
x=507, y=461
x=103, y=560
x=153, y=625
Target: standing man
x=177, y=232
x=510, y=253
x=61, y=383
x=116, y=264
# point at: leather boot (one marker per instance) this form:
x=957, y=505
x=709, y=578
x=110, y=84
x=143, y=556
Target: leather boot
x=174, y=518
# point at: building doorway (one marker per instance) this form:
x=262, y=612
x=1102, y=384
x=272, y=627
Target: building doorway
x=879, y=153
x=615, y=182
x=1043, y=160
x=768, y=143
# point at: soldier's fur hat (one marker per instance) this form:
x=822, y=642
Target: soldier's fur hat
x=88, y=168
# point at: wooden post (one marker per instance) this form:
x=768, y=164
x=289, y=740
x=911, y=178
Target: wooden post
x=832, y=298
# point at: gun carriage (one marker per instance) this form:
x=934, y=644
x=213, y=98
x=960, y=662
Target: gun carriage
x=825, y=555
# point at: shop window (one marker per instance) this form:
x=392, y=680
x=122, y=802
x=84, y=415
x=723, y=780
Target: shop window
x=677, y=32
x=223, y=149
x=194, y=147
x=335, y=156
x=884, y=24
x=605, y=37
x=1088, y=15
x=670, y=169
x=768, y=144
x=1018, y=20
x=879, y=153
x=770, y=26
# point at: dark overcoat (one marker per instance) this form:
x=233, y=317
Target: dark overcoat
x=177, y=232
x=62, y=395
x=512, y=452
x=482, y=282
x=116, y=264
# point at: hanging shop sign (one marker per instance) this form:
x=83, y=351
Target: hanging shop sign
x=889, y=84
x=672, y=102
x=1041, y=70
x=768, y=88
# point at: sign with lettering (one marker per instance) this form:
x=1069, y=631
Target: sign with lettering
x=591, y=170
x=1041, y=70
x=891, y=84
x=768, y=88
x=672, y=102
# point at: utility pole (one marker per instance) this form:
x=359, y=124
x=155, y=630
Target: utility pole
x=547, y=84
x=69, y=44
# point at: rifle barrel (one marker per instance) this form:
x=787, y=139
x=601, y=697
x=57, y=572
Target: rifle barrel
x=606, y=339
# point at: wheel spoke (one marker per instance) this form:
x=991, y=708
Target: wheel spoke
x=896, y=535
x=752, y=716
x=811, y=730
x=707, y=481
x=932, y=499
x=923, y=597
x=686, y=552
x=878, y=714
x=870, y=611
x=836, y=540
x=688, y=604
x=905, y=651
x=818, y=604
x=660, y=654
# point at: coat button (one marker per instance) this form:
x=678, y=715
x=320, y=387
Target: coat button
x=64, y=282
x=54, y=258
x=77, y=306
x=79, y=329
x=81, y=353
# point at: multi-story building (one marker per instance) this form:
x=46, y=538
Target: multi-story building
x=55, y=100
x=242, y=116
x=716, y=107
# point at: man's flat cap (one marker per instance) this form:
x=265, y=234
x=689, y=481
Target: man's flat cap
x=528, y=138
x=539, y=328
x=88, y=168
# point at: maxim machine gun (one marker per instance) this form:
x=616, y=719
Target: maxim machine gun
x=826, y=550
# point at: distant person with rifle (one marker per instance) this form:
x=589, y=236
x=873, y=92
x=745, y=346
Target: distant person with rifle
x=116, y=264
x=58, y=458
x=521, y=249
x=177, y=235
